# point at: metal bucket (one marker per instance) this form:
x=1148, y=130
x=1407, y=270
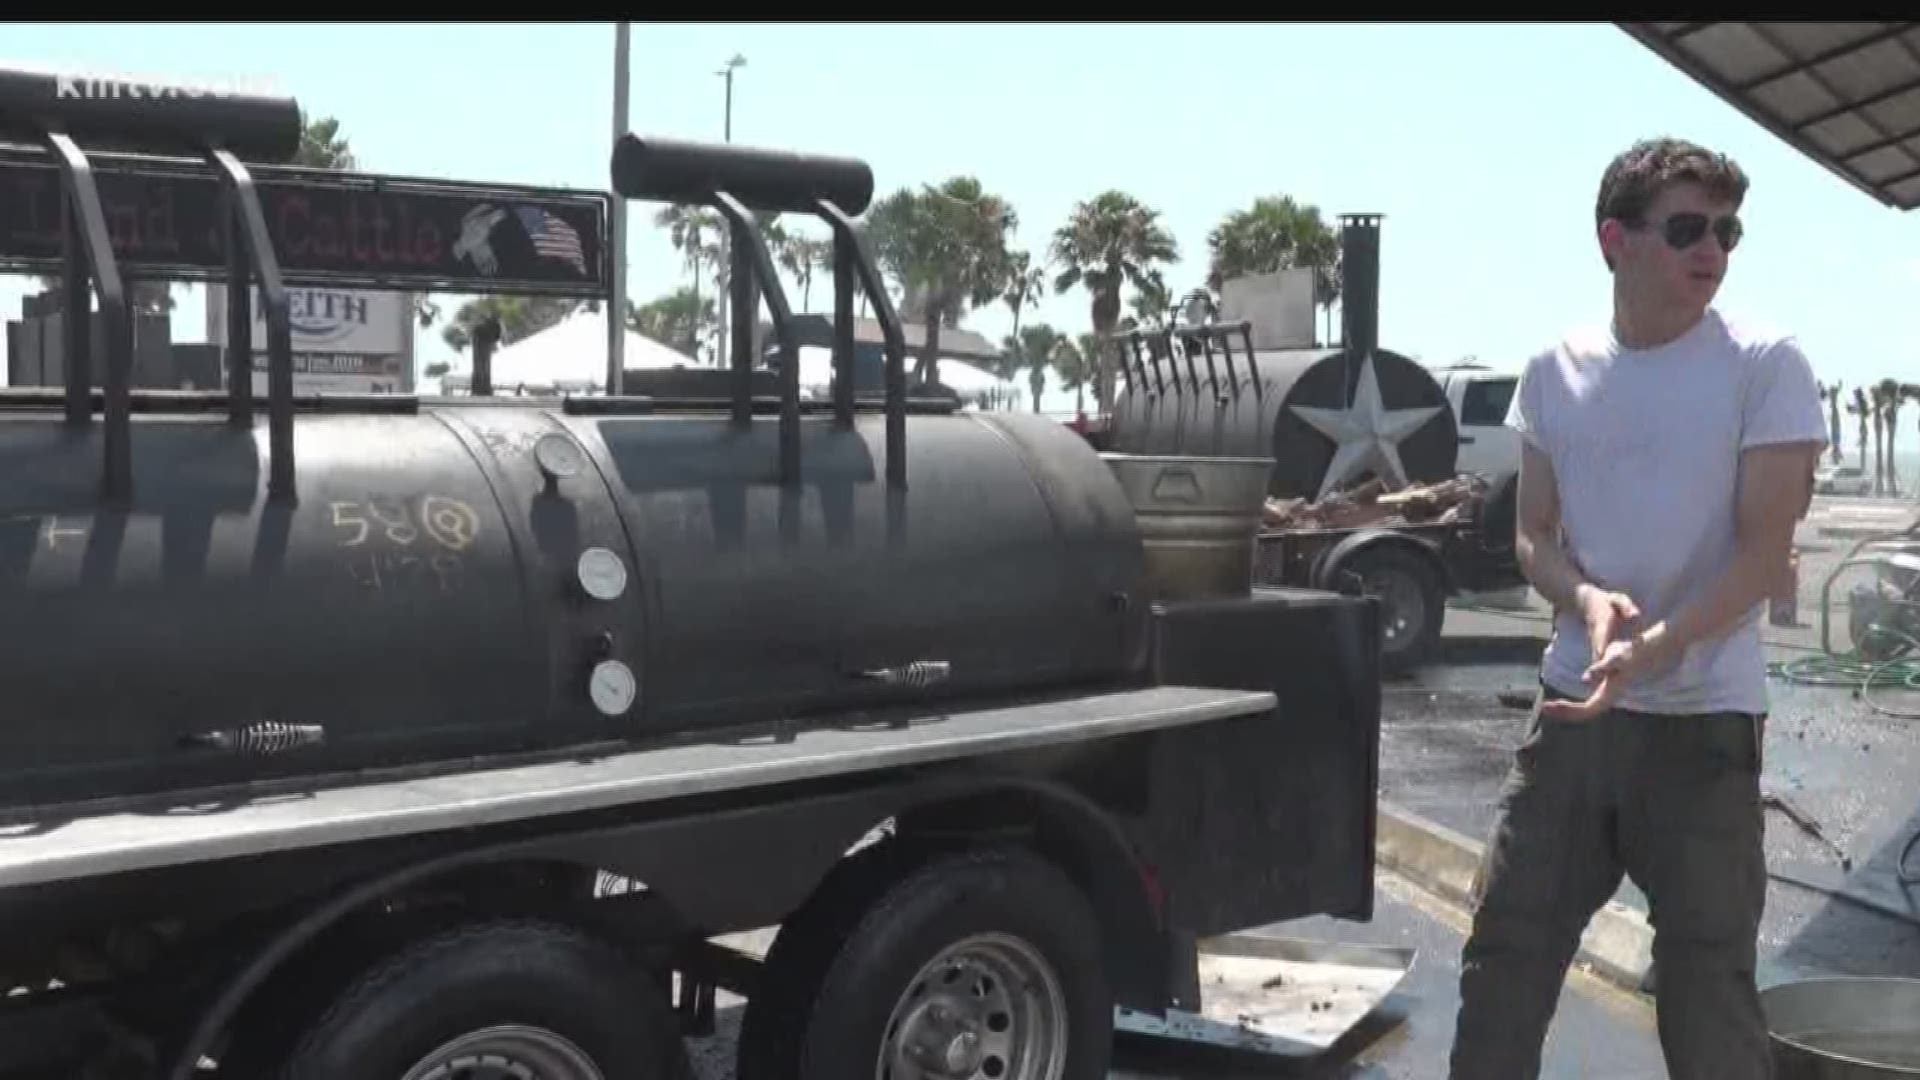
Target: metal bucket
x=1844, y=1029
x=1198, y=518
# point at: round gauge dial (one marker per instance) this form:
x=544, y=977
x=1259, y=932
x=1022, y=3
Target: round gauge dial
x=601, y=574
x=557, y=456
x=612, y=687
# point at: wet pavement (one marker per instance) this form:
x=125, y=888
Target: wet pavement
x=1835, y=755
x=1598, y=1031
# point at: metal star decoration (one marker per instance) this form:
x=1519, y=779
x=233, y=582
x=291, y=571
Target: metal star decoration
x=1366, y=433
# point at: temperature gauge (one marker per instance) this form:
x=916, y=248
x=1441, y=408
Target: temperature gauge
x=601, y=574
x=612, y=687
x=557, y=457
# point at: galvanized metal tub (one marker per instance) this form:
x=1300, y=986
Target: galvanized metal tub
x=1198, y=517
x=1844, y=1028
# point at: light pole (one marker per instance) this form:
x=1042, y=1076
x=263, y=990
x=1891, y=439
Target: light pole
x=726, y=234
x=617, y=301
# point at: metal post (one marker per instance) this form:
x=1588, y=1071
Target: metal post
x=726, y=239
x=617, y=301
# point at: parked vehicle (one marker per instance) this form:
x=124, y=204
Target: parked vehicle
x=1479, y=397
x=1842, y=480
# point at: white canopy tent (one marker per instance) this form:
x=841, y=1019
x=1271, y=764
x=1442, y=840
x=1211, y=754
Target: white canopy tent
x=965, y=379
x=569, y=357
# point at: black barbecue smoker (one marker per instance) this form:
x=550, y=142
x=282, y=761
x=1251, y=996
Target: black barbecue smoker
x=379, y=734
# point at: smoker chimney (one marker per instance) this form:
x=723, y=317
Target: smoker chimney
x=1360, y=283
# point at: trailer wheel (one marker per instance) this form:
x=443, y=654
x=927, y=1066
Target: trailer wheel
x=981, y=964
x=1413, y=604
x=508, y=1000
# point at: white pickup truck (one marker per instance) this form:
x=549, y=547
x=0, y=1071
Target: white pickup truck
x=1479, y=396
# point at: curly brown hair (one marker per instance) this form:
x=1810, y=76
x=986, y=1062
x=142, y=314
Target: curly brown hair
x=1640, y=173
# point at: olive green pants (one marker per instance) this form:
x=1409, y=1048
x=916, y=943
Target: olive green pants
x=1673, y=801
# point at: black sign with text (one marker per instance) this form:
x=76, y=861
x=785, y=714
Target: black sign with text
x=357, y=229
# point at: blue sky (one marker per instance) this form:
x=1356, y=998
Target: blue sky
x=1482, y=144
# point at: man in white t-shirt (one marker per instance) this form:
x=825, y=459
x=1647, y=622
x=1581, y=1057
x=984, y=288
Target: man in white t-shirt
x=1666, y=457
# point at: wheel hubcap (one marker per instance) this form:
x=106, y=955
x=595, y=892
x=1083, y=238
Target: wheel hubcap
x=1402, y=610
x=507, y=1052
x=986, y=1008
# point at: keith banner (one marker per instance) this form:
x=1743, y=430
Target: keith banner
x=358, y=229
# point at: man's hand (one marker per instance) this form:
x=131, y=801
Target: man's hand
x=1641, y=656
x=1607, y=614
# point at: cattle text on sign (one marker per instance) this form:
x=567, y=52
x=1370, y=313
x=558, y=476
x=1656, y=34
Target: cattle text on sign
x=328, y=228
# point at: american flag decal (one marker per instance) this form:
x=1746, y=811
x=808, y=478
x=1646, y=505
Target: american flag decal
x=552, y=237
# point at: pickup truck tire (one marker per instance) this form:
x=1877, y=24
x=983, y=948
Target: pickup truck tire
x=1413, y=604
x=985, y=962
x=514, y=999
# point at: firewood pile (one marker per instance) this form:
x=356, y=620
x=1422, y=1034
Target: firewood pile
x=1372, y=504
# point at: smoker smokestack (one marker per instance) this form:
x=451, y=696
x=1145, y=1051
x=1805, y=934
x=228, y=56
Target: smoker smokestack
x=1360, y=283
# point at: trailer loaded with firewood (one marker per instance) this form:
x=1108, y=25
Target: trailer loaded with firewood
x=1414, y=549
x=1364, y=492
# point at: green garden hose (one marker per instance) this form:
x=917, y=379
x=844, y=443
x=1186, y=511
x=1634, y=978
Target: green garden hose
x=1851, y=669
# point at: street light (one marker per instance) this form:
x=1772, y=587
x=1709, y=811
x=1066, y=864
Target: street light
x=726, y=72
x=617, y=298
x=726, y=235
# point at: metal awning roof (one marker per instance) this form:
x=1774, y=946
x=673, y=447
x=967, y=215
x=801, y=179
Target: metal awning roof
x=1846, y=94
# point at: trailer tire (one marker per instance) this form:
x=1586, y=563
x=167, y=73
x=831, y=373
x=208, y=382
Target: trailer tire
x=1413, y=604
x=937, y=957
x=551, y=1000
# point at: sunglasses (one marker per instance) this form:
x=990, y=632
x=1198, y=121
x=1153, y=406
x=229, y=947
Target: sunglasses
x=1687, y=228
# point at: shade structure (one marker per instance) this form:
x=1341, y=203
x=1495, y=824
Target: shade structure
x=964, y=379
x=569, y=357
x=1845, y=94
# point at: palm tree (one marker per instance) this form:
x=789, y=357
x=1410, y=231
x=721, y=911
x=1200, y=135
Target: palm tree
x=1025, y=285
x=1860, y=409
x=681, y=315
x=1153, y=302
x=1910, y=391
x=1110, y=241
x=1891, y=398
x=323, y=147
x=1073, y=362
x=520, y=317
x=1877, y=396
x=947, y=247
x=694, y=232
x=801, y=256
x=1032, y=351
x=1831, y=395
x=1277, y=233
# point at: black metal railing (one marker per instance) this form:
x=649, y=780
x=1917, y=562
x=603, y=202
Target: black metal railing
x=737, y=181
x=61, y=113
x=1147, y=350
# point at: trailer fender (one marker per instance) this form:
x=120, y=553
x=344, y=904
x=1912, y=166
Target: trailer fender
x=675, y=860
x=242, y=985
x=1328, y=566
x=1088, y=843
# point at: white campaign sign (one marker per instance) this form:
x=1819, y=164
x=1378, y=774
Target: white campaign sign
x=364, y=321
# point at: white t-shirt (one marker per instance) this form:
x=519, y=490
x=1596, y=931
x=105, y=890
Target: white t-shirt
x=1646, y=446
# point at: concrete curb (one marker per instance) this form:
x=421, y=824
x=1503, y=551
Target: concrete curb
x=1617, y=945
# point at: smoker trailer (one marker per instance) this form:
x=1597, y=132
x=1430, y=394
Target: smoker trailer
x=387, y=738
